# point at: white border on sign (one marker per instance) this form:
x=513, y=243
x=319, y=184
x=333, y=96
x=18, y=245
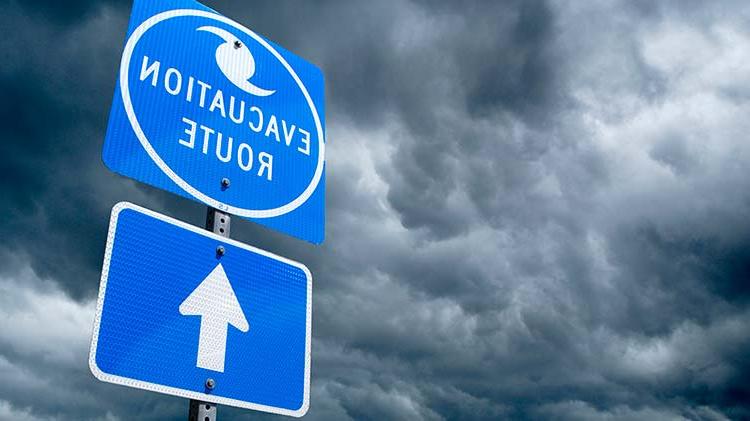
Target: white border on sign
x=125, y=91
x=154, y=387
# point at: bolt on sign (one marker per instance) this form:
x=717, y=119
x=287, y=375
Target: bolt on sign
x=210, y=110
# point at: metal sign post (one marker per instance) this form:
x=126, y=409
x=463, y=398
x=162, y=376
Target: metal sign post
x=202, y=411
x=219, y=223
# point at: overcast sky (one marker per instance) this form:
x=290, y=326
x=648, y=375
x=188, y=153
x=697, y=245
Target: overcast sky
x=534, y=209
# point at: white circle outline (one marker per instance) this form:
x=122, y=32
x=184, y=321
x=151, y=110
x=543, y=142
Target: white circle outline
x=125, y=91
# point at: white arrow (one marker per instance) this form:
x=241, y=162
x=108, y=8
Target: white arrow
x=215, y=302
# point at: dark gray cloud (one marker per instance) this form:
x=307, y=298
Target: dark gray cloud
x=535, y=210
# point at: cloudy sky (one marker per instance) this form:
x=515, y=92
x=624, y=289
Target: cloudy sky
x=534, y=209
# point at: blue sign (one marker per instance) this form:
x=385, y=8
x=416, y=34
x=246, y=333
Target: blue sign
x=208, y=109
x=179, y=305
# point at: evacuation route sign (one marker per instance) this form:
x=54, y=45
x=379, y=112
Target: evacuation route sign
x=174, y=311
x=210, y=110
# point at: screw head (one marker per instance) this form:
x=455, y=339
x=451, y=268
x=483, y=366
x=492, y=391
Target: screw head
x=220, y=250
x=210, y=383
x=237, y=45
x=225, y=182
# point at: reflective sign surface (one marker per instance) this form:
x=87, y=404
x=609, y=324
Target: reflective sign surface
x=207, y=109
x=173, y=312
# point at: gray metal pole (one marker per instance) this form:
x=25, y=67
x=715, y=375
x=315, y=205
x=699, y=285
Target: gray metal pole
x=217, y=222
x=201, y=411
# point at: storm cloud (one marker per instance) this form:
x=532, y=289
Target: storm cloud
x=535, y=210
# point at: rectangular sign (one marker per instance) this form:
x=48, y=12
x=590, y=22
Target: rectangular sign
x=189, y=313
x=210, y=110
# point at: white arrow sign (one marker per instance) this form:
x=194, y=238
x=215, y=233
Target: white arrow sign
x=214, y=300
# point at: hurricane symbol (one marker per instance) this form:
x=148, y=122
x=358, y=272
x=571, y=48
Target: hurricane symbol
x=236, y=61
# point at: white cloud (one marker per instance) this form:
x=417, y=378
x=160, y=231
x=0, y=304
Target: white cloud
x=578, y=410
x=38, y=319
x=7, y=412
